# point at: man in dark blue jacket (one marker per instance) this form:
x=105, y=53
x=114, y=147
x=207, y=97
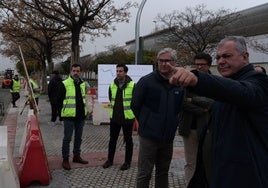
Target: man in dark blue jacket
x=239, y=123
x=156, y=105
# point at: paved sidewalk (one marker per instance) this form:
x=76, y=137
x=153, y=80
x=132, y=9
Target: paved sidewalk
x=94, y=149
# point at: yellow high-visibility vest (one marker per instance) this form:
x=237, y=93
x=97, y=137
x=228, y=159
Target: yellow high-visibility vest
x=127, y=97
x=16, y=86
x=69, y=103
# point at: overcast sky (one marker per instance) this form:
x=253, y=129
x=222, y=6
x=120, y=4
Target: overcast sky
x=126, y=32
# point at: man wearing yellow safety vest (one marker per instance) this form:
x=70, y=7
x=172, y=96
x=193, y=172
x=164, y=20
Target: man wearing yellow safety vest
x=120, y=95
x=15, y=90
x=35, y=87
x=73, y=104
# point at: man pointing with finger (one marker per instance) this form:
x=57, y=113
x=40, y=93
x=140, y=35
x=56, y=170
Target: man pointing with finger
x=239, y=131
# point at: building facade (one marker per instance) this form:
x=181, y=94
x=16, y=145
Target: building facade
x=252, y=24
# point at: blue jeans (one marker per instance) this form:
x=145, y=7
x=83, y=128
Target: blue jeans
x=69, y=127
x=158, y=154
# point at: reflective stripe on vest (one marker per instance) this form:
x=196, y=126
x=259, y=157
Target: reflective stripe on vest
x=127, y=97
x=69, y=103
x=16, y=86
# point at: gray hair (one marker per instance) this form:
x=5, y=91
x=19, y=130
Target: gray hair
x=240, y=43
x=172, y=52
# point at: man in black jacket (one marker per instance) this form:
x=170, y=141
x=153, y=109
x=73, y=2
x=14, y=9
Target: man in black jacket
x=156, y=105
x=194, y=117
x=72, y=100
x=53, y=96
x=120, y=96
x=239, y=131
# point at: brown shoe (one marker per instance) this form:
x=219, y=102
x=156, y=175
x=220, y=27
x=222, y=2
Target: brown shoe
x=78, y=159
x=66, y=164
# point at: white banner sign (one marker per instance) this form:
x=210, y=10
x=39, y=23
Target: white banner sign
x=107, y=74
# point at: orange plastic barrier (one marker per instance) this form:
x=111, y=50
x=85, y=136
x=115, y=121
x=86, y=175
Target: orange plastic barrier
x=34, y=165
x=92, y=91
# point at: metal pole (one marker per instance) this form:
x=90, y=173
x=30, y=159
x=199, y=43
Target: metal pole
x=137, y=31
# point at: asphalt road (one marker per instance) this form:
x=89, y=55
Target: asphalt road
x=5, y=98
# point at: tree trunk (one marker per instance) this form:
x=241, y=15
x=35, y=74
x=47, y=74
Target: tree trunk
x=75, y=46
x=49, y=59
x=43, y=77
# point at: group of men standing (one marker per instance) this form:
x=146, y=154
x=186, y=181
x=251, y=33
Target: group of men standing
x=223, y=119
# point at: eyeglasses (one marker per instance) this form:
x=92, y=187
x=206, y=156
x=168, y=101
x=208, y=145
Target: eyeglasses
x=164, y=60
x=200, y=64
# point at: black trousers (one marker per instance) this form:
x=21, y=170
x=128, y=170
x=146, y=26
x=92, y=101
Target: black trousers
x=55, y=112
x=114, y=133
x=15, y=97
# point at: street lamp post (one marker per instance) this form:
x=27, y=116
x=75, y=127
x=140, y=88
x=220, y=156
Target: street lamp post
x=155, y=27
x=137, y=31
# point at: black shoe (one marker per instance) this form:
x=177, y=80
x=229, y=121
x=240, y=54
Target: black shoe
x=125, y=166
x=107, y=164
x=14, y=106
x=66, y=164
x=78, y=159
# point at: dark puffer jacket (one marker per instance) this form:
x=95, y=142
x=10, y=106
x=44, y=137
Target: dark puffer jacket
x=156, y=105
x=53, y=89
x=239, y=125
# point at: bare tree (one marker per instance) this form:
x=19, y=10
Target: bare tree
x=194, y=30
x=21, y=22
x=93, y=17
x=259, y=46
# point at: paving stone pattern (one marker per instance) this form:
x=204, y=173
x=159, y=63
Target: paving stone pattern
x=95, y=139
